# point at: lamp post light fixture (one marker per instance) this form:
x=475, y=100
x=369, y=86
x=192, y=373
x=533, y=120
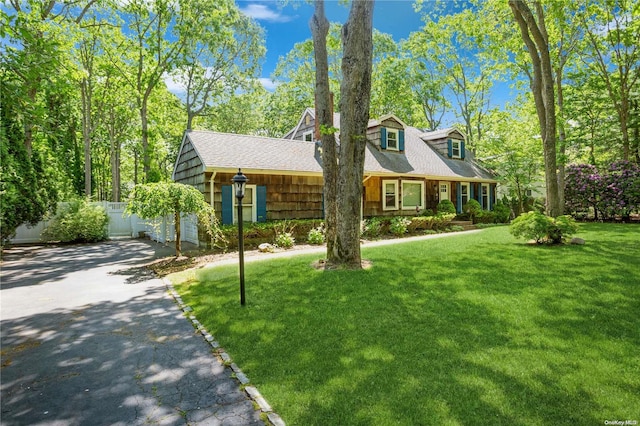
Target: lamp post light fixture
x=239, y=182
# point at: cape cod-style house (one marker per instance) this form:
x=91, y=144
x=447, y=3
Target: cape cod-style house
x=406, y=170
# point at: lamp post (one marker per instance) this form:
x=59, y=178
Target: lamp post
x=239, y=182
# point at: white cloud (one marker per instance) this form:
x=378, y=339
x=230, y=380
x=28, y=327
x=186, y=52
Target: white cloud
x=173, y=85
x=268, y=84
x=261, y=12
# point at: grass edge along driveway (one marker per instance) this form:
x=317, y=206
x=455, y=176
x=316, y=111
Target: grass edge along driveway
x=470, y=329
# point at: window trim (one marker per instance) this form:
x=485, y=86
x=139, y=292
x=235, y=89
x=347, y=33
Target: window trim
x=455, y=142
x=468, y=186
x=396, y=132
x=485, y=206
x=384, y=194
x=254, y=205
x=417, y=182
x=305, y=134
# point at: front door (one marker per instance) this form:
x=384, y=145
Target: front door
x=445, y=191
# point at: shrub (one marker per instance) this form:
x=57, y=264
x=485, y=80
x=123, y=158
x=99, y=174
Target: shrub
x=78, y=221
x=543, y=229
x=472, y=208
x=372, y=227
x=265, y=232
x=421, y=222
x=285, y=240
x=446, y=206
x=502, y=212
x=454, y=228
x=486, y=216
x=430, y=232
x=316, y=235
x=442, y=220
x=399, y=225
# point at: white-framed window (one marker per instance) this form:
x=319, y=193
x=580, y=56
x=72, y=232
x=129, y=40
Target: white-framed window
x=412, y=194
x=308, y=136
x=444, y=191
x=464, y=192
x=485, y=196
x=249, y=211
x=456, y=148
x=392, y=139
x=389, y=195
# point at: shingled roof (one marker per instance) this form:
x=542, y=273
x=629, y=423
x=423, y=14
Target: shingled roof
x=421, y=159
x=257, y=154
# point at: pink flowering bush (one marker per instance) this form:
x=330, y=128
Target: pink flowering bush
x=614, y=192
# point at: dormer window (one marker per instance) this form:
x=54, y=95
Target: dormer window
x=392, y=139
x=455, y=148
x=308, y=136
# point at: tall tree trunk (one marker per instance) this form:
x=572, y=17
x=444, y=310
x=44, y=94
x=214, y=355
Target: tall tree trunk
x=146, y=161
x=562, y=138
x=114, y=160
x=28, y=125
x=355, y=94
x=543, y=92
x=324, y=116
x=190, y=116
x=85, y=92
x=635, y=104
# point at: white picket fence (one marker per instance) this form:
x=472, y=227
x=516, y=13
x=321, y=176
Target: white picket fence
x=161, y=229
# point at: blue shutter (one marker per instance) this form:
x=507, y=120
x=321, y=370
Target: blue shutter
x=449, y=148
x=490, y=201
x=401, y=141
x=459, y=197
x=462, y=150
x=480, y=194
x=261, y=203
x=383, y=138
x=227, y=204
x=471, y=191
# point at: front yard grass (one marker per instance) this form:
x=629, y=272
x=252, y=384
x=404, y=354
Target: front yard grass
x=468, y=329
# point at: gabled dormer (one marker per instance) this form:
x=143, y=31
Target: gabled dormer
x=448, y=142
x=305, y=128
x=387, y=133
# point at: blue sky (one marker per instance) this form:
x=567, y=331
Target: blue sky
x=287, y=25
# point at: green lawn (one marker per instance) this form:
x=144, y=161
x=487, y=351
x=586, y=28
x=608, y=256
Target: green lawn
x=468, y=329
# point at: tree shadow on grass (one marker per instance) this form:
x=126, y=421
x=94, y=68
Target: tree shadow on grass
x=394, y=351
x=481, y=338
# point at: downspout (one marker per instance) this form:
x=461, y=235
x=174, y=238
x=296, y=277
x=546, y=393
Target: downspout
x=366, y=178
x=211, y=189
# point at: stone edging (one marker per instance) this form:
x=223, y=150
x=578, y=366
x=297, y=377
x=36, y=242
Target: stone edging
x=226, y=360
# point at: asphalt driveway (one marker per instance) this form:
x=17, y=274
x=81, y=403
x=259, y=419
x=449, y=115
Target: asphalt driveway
x=90, y=338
